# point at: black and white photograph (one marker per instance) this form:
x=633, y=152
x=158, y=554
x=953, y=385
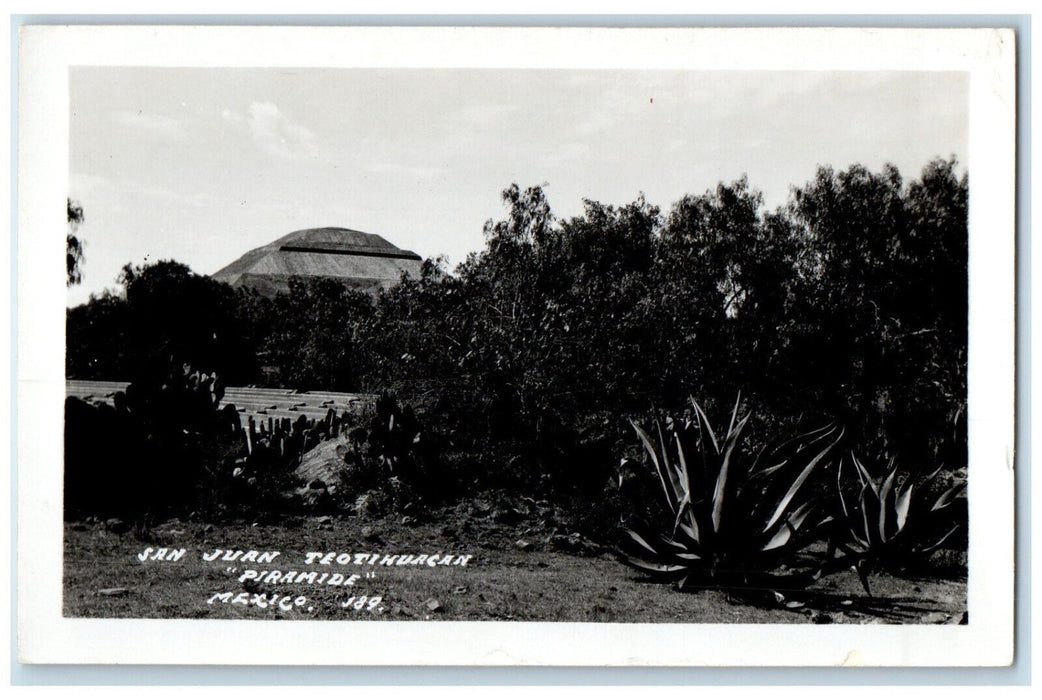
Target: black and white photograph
x=667, y=332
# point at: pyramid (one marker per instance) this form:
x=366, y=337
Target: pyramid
x=362, y=261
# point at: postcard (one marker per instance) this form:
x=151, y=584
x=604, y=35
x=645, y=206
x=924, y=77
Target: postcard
x=516, y=346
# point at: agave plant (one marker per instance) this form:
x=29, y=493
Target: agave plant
x=890, y=521
x=732, y=519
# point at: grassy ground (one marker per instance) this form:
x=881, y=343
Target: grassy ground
x=516, y=572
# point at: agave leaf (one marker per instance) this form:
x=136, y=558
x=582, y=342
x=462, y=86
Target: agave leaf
x=884, y=493
x=684, y=479
x=949, y=496
x=642, y=543
x=659, y=547
x=653, y=567
x=734, y=413
x=788, y=528
x=690, y=527
x=780, y=539
x=938, y=543
x=623, y=465
x=800, y=442
x=671, y=496
x=667, y=463
x=933, y=475
x=761, y=474
x=687, y=506
x=862, y=574
x=756, y=469
x=719, y=490
x=863, y=474
x=782, y=453
x=865, y=502
x=804, y=475
x=860, y=542
x=795, y=521
x=682, y=469
x=676, y=548
x=839, y=491
x=683, y=509
x=888, y=482
x=704, y=424
x=904, y=500
x=791, y=449
x=783, y=533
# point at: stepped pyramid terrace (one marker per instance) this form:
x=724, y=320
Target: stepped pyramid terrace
x=362, y=261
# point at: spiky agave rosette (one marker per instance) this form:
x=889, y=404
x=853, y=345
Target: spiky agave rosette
x=735, y=520
x=890, y=522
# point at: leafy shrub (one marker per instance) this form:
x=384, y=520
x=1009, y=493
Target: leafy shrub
x=391, y=461
x=733, y=518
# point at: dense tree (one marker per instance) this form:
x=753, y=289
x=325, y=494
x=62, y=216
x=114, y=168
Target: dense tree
x=97, y=339
x=73, y=245
x=718, y=281
x=880, y=332
x=313, y=330
x=165, y=312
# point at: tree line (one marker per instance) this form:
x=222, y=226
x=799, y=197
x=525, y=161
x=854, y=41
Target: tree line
x=847, y=304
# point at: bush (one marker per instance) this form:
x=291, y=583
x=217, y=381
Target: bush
x=391, y=461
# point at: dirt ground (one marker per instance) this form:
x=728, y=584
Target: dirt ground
x=460, y=565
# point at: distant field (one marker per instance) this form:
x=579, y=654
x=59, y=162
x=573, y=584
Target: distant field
x=513, y=573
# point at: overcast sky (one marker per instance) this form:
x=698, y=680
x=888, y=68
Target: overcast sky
x=201, y=165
